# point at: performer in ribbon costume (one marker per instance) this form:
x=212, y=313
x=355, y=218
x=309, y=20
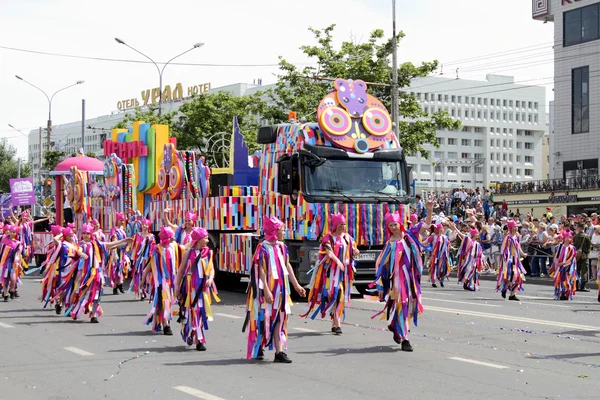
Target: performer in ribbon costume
x=439, y=261
x=193, y=288
x=511, y=274
x=269, y=302
x=98, y=234
x=118, y=260
x=183, y=234
x=564, y=268
x=399, y=268
x=11, y=253
x=333, y=275
x=140, y=251
x=470, y=260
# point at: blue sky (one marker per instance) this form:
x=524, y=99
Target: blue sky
x=234, y=32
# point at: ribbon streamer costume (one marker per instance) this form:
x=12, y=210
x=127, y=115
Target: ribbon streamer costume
x=565, y=276
x=118, y=260
x=140, y=252
x=399, y=268
x=470, y=261
x=182, y=236
x=195, y=298
x=10, y=261
x=57, y=266
x=330, y=287
x=439, y=261
x=511, y=274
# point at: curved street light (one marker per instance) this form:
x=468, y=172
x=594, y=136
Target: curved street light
x=160, y=70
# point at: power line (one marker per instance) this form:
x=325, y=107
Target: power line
x=140, y=61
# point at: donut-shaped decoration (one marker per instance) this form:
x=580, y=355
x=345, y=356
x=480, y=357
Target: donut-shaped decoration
x=78, y=192
x=129, y=229
x=70, y=192
x=106, y=171
x=377, y=121
x=111, y=169
x=162, y=178
x=361, y=146
x=336, y=120
x=175, y=180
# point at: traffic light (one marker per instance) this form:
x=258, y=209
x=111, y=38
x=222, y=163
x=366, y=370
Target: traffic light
x=48, y=188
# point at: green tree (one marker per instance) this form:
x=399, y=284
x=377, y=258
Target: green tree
x=9, y=166
x=208, y=116
x=149, y=116
x=301, y=90
x=52, y=158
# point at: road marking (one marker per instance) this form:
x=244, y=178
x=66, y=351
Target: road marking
x=197, y=393
x=467, y=360
x=78, y=351
x=228, y=316
x=304, y=329
x=462, y=302
x=3, y=325
x=552, y=298
x=515, y=319
x=533, y=303
x=437, y=293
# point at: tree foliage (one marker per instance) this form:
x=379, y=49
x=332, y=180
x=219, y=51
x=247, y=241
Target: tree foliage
x=9, y=166
x=301, y=90
x=52, y=158
x=150, y=116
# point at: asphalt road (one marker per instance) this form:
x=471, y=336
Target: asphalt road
x=467, y=346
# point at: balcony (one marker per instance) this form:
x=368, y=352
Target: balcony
x=551, y=185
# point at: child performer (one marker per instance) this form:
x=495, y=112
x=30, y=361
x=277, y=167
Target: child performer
x=398, y=278
x=194, y=283
x=118, y=261
x=183, y=234
x=26, y=223
x=470, y=260
x=511, y=274
x=140, y=251
x=269, y=300
x=163, y=264
x=333, y=275
x=564, y=269
x=98, y=234
x=11, y=252
x=89, y=281
x=439, y=261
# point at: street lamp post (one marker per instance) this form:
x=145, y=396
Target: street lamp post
x=394, y=86
x=49, y=98
x=160, y=70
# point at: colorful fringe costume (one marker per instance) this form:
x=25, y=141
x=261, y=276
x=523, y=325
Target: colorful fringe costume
x=182, y=237
x=164, y=261
x=565, y=277
x=140, y=253
x=511, y=274
x=195, y=301
x=27, y=240
x=261, y=317
x=58, y=266
x=399, y=268
x=117, y=267
x=470, y=262
x=439, y=261
x=10, y=261
x=88, y=283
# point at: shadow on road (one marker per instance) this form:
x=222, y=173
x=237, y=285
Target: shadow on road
x=565, y=356
x=146, y=332
x=160, y=350
x=346, y=350
x=308, y=334
x=580, y=333
x=221, y=362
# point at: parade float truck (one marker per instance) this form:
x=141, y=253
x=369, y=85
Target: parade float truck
x=349, y=162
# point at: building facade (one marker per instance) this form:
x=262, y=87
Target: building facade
x=575, y=116
x=68, y=137
x=501, y=139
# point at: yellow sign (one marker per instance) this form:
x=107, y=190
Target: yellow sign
x=151, y=96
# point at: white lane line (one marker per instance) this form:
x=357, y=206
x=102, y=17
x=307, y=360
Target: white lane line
x=78, y=351
x=552, y=298
x=304, y=329
x=468, y=360
x=534, y=303
x=197, y=393
x=515, y=319
x=462, y=302
x=436, y=293
x=3, y=325
x=228, y=316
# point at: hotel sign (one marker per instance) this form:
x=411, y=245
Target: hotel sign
x=151, y=96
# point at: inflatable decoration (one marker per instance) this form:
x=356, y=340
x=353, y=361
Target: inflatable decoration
x=353, y=119
x=203, y=177
x=80, y=201
x=112, y=177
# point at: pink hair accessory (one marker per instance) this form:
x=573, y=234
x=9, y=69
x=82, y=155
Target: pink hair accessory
x=337, y=220
x=191, y=215
x=393, y=218
x=511, y=224
x=56, y=230
x=270, y=227
x=165, y=235
x=14, y=228
x=120, y=217
x=67, y=231
x=71, y=225
x=87, y=228
x=414, y=218
x=197, y=234
x=439, y=227
x=94, y=221
x=474, y=232
x=567, y=234
x=146, y=221
x=25, y=214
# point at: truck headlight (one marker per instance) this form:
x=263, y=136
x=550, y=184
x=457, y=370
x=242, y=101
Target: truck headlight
x=313, y=255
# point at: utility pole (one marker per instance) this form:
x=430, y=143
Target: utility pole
x=83, y=125
x=19, y=167
x=395, y=101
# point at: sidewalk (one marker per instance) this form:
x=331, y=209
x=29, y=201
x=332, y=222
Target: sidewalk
x=593, y=286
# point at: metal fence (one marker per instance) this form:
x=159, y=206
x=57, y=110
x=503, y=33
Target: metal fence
x=551, y=185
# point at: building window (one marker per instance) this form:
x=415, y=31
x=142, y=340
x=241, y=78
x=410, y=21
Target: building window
x=498, y=170
x=485, y=115
x=485, y=102
x=491, y=170
x=491, y=115
x=504, y=103
x=446, y=98
x=581, y=25
x=580, y=168
x=580, y=114
x=491, y=102
x=504, y=157
x=479, y=170
x=438, y=168
x=466, y=113
x=497, y=142
x=426, y=168
x=528, y=172
x=518, y=171
x=510, y=144
x=465, y=155
x=459, y=113
x=518, y=104
x=465, y=170
x=440, y=140
x=510, y=157
x=452, y=141
x=452, y=169
x=497, y=156
x=438, y=154
x=478, y=142
x=529, y=159
x=510, y=103
x=459, y=99
x=504, y=143
x=427, y=96
x=503, y=170
x=465, y=142
x=528, y=133
x=510, y=171
x=478, y=156
x=452, y=154
x=528, y=146
x=518, y=160
x=453, y=112
x=478, y=129
x=491, y=142
x=478, y=114
x=454, y=99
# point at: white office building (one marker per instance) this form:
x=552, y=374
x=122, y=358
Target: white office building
x=574, y=141
x=501, y=139
x=68, y=137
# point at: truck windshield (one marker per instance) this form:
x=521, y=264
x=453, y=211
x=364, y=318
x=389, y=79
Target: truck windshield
x=355, y=178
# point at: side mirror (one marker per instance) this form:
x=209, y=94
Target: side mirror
x=284, y=175
x=409, y=179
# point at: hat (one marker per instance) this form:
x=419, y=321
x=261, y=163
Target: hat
x=197, y=234
x=94, y=221
x=67, y=231
x=165, y=235
x=146, y=221
x=55, y=229
x=270, y=227
x=439, y=227
x=473, y=232
x=391, y=218
x=191, y=215
x=87, y=228
x=511, y=224
x=567, y=234
x=120, y=217
x=14, y=228
x=337, y=220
